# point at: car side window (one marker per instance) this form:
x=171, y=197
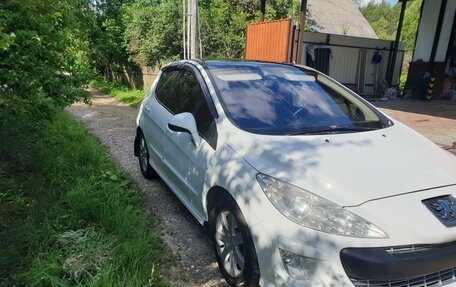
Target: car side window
x=192, y=100
x=165, y=91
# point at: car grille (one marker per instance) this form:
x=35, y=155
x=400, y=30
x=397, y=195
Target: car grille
x=416, y=248
x=436, y=279
x=409, y=249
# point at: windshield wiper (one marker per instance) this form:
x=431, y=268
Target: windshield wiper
x=335, y=129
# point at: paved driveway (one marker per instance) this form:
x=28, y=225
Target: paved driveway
x=436, y=119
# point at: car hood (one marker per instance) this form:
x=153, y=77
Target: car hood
x=351, y=168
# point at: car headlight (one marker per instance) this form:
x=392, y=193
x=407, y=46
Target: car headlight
x=310, y=210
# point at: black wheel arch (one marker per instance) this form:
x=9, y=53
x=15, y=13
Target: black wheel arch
x=136, y=143
x=214, y=195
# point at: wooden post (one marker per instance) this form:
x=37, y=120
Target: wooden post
x=302, y=23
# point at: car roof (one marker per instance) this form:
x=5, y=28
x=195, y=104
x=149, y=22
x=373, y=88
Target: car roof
x=208, y=64
x=232, y=63
x=242, y=63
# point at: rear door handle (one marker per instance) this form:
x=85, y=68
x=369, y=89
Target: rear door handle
x=147, y=108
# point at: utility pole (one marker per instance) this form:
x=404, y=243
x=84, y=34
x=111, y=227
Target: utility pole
x=302, y=23
x=188, y=27
x=184, y=42
x=194, y=29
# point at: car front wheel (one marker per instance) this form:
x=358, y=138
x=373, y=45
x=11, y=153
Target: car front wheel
x=233, y=245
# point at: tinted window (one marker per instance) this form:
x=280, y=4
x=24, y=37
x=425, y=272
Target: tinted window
x=192, y=100
x=279, y=99
x=165, y=91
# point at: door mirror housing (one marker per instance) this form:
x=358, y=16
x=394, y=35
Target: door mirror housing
x=185, y=122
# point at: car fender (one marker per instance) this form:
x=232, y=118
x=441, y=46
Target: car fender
x=230, y=172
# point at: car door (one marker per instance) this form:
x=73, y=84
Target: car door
x=192, y=160
x=159, y=108
x=154, y=120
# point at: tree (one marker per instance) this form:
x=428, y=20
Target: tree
x=410, y=25
x=384, y=20
x=108, y=50
x=154, y=31
x=43, y=59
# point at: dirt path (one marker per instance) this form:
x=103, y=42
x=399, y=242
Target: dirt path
x=114, y=124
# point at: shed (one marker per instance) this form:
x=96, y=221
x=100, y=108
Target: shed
x=340, y=17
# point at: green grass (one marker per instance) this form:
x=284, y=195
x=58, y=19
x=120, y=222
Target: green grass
x=133, y=97
x=70, y=217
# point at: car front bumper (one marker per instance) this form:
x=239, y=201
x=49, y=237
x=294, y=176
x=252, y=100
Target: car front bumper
x=419, y=250
x=329, y=260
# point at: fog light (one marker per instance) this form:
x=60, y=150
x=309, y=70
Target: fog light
x=299, y=267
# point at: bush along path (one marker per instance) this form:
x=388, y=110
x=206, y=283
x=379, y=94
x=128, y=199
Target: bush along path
x=113, y=123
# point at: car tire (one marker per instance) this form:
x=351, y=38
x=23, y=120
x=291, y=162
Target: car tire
x=147, y=171
x=233, y=244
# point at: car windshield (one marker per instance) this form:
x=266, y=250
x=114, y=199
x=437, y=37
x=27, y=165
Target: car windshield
x=277, y=99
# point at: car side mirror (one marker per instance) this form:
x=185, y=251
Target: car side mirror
x=185, y=122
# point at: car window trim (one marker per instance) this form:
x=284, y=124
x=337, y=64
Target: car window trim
x=209, y=101
x=386, y=122
x=180, y=70
x=167, y=69
x=192, y=69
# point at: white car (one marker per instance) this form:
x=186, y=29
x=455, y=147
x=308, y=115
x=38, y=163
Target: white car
x=299, y=181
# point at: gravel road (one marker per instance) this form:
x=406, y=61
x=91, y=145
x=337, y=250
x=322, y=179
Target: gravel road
x=113, y=123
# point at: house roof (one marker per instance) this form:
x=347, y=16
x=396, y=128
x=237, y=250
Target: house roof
x=338, y=17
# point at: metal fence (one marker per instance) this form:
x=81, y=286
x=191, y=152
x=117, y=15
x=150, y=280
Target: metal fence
x=268, y=41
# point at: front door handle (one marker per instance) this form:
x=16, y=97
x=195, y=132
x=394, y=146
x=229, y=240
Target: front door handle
x=168, y=130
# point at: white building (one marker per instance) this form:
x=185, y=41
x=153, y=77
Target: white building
x=435, y=50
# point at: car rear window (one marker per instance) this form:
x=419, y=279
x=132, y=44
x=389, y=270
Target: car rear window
x=279, y=99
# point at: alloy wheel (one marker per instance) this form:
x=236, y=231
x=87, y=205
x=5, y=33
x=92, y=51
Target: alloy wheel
x=143, y=154
x=229, y=243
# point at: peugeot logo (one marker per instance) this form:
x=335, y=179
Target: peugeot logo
x=444, y=208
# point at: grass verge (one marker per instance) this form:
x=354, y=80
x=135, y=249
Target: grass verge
x=133, y=97
x=70, y=217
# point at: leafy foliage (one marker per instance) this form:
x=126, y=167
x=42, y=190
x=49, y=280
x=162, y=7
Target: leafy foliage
x=108, y=50
x=384, y=20
x=43, y=59
x=153, y=33
x=410, y=25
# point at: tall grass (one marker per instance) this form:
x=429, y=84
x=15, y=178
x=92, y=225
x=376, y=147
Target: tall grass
x=70, y=217
x=133, y=97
